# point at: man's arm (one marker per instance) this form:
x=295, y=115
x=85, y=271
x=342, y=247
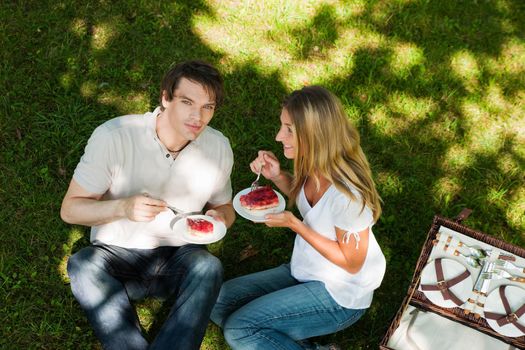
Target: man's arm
x=82, y=207
x=224, y=213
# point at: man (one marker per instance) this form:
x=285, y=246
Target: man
x=133, y=166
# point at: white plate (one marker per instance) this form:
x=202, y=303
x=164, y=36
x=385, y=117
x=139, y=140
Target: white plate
x=257, y=218
x=451, y=269
x=181, y=228
x=516, y=297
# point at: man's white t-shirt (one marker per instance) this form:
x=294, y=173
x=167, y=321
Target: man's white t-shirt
x=354, y=291
x=124, y=157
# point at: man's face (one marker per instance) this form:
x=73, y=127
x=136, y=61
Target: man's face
x=190, y=110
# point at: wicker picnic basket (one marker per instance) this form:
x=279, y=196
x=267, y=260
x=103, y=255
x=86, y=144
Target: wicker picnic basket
x=417, y=299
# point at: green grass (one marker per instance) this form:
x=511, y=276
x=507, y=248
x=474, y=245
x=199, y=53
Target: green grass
x=436, y=89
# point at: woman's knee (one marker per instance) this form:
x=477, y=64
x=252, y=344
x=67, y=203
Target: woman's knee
x=235, y=334
x=240, y=326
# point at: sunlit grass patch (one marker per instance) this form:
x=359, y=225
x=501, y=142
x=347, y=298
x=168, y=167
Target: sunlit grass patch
x=79, y=27
x=102, y=33
x=382, y=119
x=465, y=66
x=307, y=42
x=389, y=183
x=495, y=99
x=128, y=104
x=458, y=157
x=515, y=211
x=67, y=248
x=148, y=311
x=446, y=190
x=67, y=80
x=409, y=107
x=89, y=88
x=510, y=60
x=404, y=57
x=241, y=30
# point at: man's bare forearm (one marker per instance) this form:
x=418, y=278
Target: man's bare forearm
x=91, y=212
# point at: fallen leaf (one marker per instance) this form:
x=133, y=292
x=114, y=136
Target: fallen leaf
x=247, y=252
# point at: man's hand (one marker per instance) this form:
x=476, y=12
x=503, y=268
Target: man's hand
x=142, y=208
x=217, y=215
x=223, y=213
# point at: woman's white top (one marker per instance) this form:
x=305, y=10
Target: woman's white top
x=354, y=291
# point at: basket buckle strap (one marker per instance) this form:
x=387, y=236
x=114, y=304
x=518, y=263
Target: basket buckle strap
x=509, y=317
x=465, y=213
x=444, y=286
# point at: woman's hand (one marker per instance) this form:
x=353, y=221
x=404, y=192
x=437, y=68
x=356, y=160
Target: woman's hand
x=271, y=168
x=284, y=219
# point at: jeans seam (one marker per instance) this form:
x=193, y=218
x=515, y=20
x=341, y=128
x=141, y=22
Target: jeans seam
x=276, y=345
x=355, y=316
x=253, y=331
x=290, y=315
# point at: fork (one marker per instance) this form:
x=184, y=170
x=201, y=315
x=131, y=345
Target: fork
x=504, y=264
x=475, y=251
x=502, y=274
x=470, y=259
x=255, y=184
x=181, y=213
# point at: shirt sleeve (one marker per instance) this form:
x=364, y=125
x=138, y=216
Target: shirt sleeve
x=350, y=215
x=222, y=193
x=93, y=172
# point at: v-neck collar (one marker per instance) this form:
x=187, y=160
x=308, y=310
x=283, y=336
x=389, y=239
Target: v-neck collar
x=320, y=199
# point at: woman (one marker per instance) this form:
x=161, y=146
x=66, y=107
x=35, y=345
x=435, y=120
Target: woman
x=336, y=262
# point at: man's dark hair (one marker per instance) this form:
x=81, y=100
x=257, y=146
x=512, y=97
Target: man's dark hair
x=197, y=71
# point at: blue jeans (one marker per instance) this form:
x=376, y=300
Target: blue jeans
x=272, y=310
x=105, y=278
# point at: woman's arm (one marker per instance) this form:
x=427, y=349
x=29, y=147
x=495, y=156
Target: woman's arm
x=345, y=253
x=283, y=181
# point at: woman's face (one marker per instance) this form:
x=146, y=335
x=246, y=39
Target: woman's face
x=286, y=135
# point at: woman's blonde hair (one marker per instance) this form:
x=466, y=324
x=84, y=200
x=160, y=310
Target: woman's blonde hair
x=328, y=145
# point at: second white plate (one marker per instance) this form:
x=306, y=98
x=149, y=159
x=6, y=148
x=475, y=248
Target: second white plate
x=256, y=218
x=516, y=297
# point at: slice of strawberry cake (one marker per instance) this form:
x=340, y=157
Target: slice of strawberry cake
x=199, y=227
x=260, y=199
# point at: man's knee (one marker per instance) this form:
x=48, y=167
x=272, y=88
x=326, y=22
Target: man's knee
x=206, y=265
x=77, y=261
x=87, y=261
